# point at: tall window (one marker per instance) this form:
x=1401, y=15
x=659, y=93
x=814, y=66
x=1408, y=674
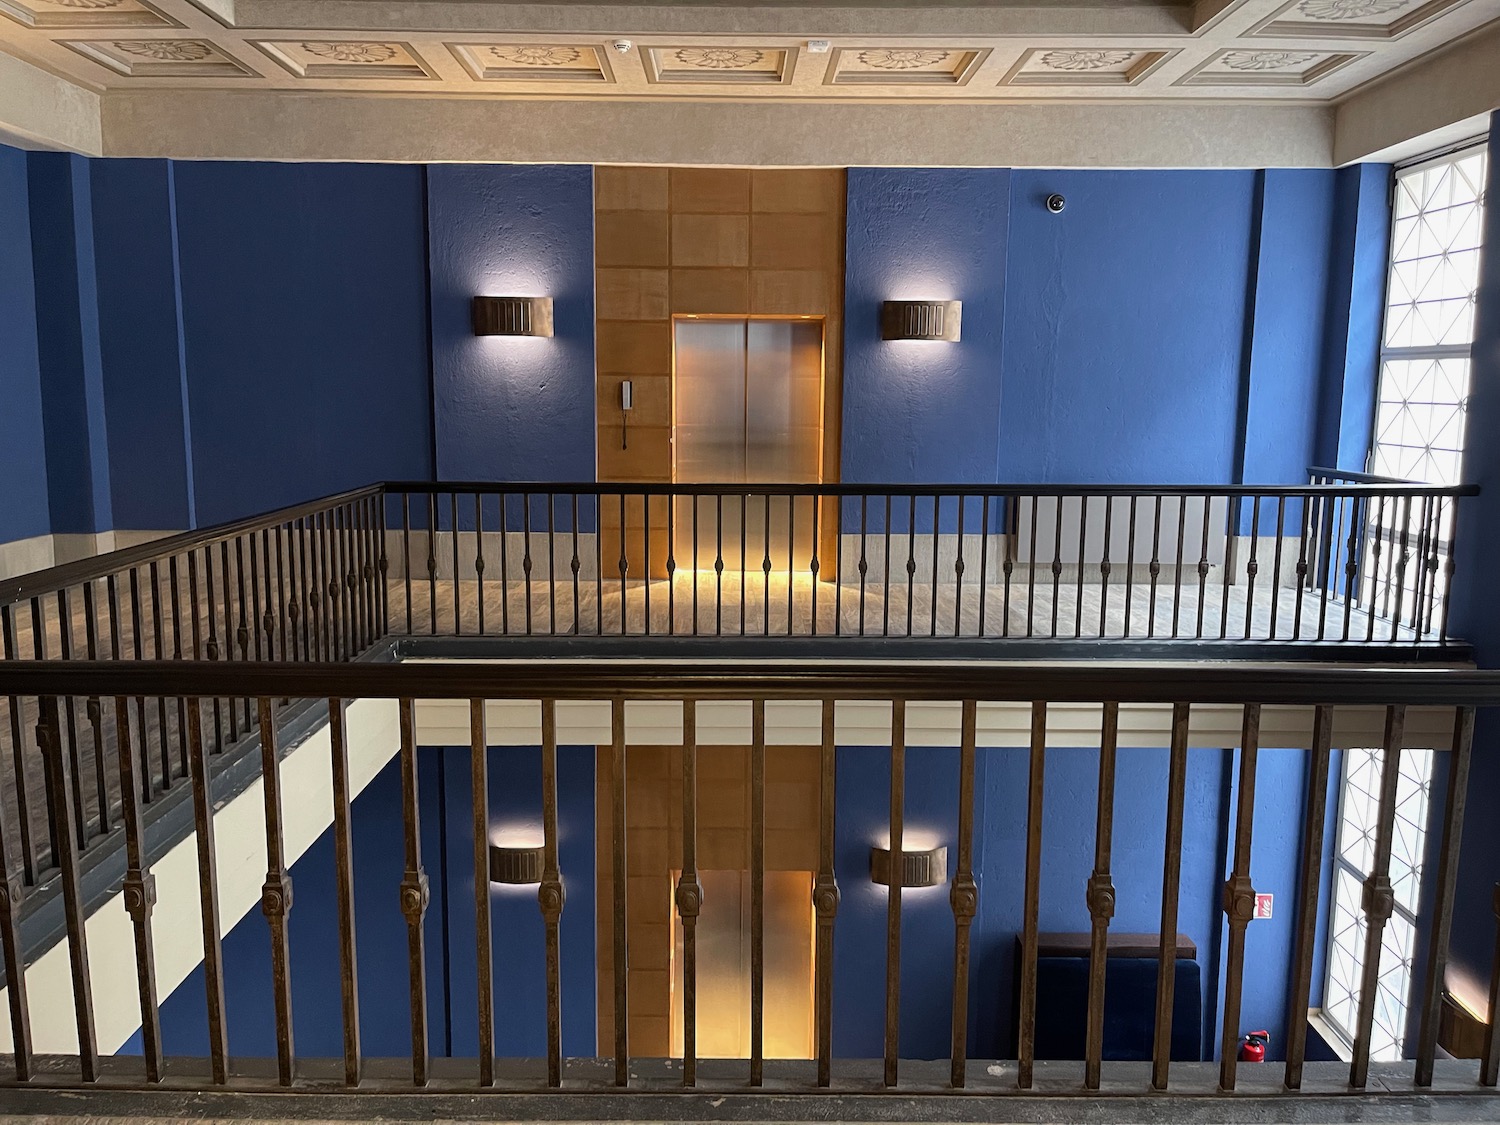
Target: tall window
x=1436, y=229
x=1359, y=813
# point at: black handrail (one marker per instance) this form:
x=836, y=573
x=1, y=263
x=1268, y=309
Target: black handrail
x=1085, y=681
x=41, y=582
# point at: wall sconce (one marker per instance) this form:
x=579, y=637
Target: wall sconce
x=513, y=316
x=516, y=866
x=918, y=869
x=921, y=320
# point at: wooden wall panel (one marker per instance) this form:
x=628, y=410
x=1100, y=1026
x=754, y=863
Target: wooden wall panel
x=707, y=241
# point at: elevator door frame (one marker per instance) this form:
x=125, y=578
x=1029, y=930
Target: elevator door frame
x=822, y=419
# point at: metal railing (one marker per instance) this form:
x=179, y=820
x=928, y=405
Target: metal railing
x=1324, y=693
x=1342, y=562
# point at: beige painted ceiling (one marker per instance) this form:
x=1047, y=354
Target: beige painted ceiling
x=965, y=51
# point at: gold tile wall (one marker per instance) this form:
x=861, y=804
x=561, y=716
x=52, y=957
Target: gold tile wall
x=681, y=241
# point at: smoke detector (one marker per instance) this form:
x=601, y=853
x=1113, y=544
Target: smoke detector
x=622, y=46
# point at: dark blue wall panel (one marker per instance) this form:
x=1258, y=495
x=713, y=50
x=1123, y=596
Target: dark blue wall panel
x=305, y=314
x=915, y=411
x=1124, y=326
x=23, y=452
x=68, y=343
x=135, y=258
x=515, y=409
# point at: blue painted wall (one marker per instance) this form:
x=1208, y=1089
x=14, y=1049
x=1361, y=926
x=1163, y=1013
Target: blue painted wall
x=304, y=312
x=140, y=344
x=1131, y=300
x=23, y=453
x=512, y=409
x=1476, y=612
x=68, y=343
x=924, y=412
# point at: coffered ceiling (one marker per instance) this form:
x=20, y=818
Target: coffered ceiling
x=974, y=51
x=1075, y=82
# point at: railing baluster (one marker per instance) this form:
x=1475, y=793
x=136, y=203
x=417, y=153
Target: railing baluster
x=1489, y=1066
x=599, y=564
x=1031, y=570
x=551, y=564
x=1208, y=507
x=1104, y=564
x=1026, y=1049
x=405, y=557
x=65, y=854
x=1231, y=552
x=1252, y=568
x=1008, y=564
x=791, y=558
x=229, y=634
x=1401, y=563
x=154, y=572
x=139, y=895
x=551, y=895
x=1447, y=888
x=885, y=579
x=825, y=899
x=937, y=513
x=75, y=766
x=958, y=571
x=620, y=960
x=1083, y=532
x=415, y=895
x=344, y=867
x=1129, y=562
x=646, y=559
x=1304, y=517
x=984, y=560
x=1276, y=563
x=911, y=561
x=458, y=598
x=18, y=755
x=278, y=621
x=208, y=895
x=1307, y=896
x=1177, y=565
x=299, y=611
x=744, y=520
x=276, y=894
x=1239, y=897
x=689, y=895
x=766, y=571
x=1056, y=564
x=138, y=650
x=757, y=890
x=479, y=560
x=813, y=566
x=1101, y=895
x=526, y=560
x=1378, y=899
x=12, y=893
x=505, y=569
x=864, y=564
x=963, y=895
x=719, y=564
x=625, y=573
x=432, y=532
x=1359, y=512
x=576, y=565
x=1155, y=567
x=1372, y=577
x=897, y=870
x=479, y=777
x=671, y=563
x=1171, y=880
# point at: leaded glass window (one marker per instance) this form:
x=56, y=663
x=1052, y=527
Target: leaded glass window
x=1436, y=230
x=1359, y=812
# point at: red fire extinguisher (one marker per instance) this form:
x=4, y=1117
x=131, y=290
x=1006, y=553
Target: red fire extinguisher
x=1253, y=1046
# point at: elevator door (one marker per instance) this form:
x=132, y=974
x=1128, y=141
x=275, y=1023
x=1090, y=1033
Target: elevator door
x=748, y=398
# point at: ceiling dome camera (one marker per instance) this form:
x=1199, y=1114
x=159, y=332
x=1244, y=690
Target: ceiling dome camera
x=1055, y=203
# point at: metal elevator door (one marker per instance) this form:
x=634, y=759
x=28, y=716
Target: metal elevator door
x=748, y=409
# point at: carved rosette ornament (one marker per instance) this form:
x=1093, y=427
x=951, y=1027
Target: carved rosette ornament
x=353, y=52
x=1349, y=9
x=718, y=58
x=537, y=56
x=901, y=58
x=166, y=50
x=1084, y=60
x=1267, y=60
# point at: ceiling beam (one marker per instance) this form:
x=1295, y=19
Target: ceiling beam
x=277, y=125
x=1423, y=105
x=42, y=111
